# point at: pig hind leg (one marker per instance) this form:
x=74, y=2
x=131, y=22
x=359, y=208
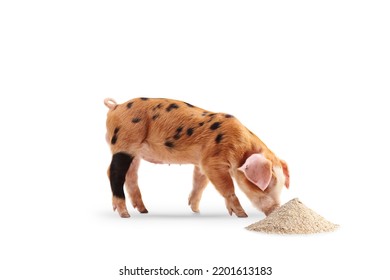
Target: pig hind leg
x=132, y=186
x=117, y=173
x=200, y=182
x=221, y=179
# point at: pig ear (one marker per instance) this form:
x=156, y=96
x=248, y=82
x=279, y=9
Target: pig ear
x=286, y=173
x=258, y=170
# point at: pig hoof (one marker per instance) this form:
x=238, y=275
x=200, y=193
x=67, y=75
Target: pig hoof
x=195, y=209
x=141, y=208
x=119, y=205
x=194, y=205
x=124, y=214
x=233, y=206
x=242, y=215
x=239, y=214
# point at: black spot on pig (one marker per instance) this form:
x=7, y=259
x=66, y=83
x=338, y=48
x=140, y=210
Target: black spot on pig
x=169, y=144
x=228, y=116
x=211, y=117
x=115, y=136
x=204, y=113
x=144, y=98
x=155, y=116
x=189, y=105
x=129, y=105
x=135, y=120
x=172, y=106
x=219, y=138
x=178, y=133
x=190, y=131
x=158, y=106
x=201, y=123
x=215, y=125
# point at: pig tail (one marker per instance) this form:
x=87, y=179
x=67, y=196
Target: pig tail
x=110, y=103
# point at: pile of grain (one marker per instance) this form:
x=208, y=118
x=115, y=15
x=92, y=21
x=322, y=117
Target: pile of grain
x=293, y=218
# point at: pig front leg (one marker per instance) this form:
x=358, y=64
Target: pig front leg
x=220, y=177
x=117, y=173
x=132, y=186
x=200, y=182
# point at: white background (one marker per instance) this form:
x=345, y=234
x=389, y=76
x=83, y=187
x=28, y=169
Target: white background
x=309, y=78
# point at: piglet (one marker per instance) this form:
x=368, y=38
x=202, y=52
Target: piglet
x=220, y=147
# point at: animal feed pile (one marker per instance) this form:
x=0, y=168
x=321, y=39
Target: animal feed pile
x=293, y=218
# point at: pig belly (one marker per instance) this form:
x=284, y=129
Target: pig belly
x=160, y=155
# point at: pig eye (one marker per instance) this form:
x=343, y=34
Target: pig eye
x=246, y=167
